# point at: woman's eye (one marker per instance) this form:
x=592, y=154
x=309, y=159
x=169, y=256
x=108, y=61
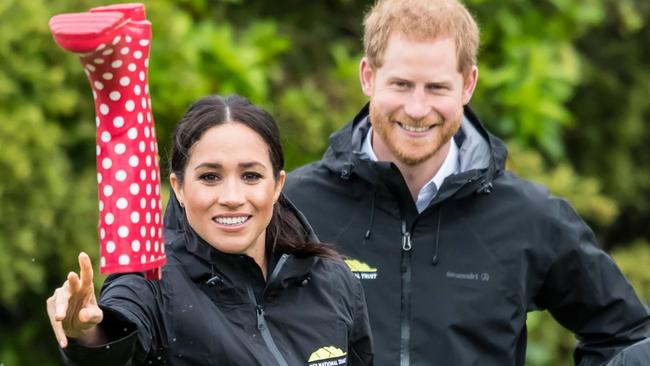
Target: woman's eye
x=209, y=177
x=251, y=177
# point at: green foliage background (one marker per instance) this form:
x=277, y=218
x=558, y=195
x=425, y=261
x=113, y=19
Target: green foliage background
x=565, y=81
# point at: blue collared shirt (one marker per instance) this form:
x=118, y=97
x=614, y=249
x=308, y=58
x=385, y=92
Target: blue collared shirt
x=449, y=166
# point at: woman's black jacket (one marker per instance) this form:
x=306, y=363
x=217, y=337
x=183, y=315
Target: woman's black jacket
x=212, y=308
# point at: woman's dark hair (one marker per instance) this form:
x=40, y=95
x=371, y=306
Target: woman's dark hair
x=285, y=232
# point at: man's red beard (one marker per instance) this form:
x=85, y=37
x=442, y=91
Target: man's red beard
x=414, y=151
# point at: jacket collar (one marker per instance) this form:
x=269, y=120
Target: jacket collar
x=204, y=263
x=482, y=157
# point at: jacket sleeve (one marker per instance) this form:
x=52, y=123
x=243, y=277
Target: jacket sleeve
x=360, y=349
x=587, y=293
x=122, y=337
x=636, y=355
x=131, y=323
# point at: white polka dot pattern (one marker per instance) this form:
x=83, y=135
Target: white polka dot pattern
x=116, y=63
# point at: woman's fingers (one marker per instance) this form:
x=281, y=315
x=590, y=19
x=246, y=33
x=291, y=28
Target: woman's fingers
x=86, y=271
x=90, y=312
x=73, y=307
x=91, y=315
x=61, y=301
x=57, y=325
x=59, y=333
x=74, y=282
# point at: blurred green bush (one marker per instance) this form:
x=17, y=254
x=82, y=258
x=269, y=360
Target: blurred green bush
x=565, y=81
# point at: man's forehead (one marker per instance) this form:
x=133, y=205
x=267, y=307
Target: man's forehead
x=438, y=54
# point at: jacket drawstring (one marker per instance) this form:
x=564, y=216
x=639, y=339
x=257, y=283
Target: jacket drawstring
x=214, y=278
x=435, y=258
x=366, y=237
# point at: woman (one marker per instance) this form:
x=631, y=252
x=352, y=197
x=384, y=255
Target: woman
x=245, y=282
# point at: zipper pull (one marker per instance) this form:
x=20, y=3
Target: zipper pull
x=261, y=324
x=406, y=238
x=406, y=241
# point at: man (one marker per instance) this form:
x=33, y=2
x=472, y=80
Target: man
x=452, y=249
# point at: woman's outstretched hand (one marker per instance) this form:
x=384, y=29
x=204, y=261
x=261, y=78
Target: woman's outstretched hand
x=73, y=309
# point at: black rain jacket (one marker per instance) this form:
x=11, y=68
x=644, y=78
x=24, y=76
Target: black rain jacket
x=212, y=308
x=452, y=285
x=637, y=354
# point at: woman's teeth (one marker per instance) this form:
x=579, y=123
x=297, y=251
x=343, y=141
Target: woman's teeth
x=231, y=220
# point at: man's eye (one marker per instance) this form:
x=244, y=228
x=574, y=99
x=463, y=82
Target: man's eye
x=251, y=177
x=435, y=87
x=400, y=84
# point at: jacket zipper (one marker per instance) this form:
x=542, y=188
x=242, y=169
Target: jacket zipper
x=262, y=327
x=266, y=335
x=405, y=312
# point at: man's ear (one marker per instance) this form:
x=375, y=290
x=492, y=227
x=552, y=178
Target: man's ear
x=469, y=84
x=366, y=76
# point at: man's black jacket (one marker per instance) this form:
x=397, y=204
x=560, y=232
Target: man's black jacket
x=452, y=285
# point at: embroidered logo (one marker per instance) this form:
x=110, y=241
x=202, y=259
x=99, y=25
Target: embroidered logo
x=472, y=276
x=328, y=356
x=362, y=270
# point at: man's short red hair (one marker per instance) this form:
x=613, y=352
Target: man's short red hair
x=421, y=20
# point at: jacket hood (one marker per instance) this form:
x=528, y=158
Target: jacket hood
x=482, y=155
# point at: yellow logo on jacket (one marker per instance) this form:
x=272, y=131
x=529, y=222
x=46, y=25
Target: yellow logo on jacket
x=328, y=356
x=362, y=270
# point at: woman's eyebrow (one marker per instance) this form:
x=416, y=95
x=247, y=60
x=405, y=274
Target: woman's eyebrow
x=218, y=166
x=251, y=164
x=209, y=166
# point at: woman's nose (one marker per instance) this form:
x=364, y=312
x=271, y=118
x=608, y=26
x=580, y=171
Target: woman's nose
x=232, y=194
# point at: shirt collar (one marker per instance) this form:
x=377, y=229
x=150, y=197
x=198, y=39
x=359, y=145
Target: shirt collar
x=430, y=189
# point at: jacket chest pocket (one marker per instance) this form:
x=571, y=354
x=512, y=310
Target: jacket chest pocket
x=311, y=335
x=328, y=344
x=196, y=332
x=466, y=303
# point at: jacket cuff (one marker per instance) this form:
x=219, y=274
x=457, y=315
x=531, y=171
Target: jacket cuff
x=122, y=336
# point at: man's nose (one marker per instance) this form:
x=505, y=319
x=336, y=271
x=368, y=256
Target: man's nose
x=417, y=106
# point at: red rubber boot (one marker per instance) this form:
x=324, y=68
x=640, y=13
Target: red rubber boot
x=113, y=45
